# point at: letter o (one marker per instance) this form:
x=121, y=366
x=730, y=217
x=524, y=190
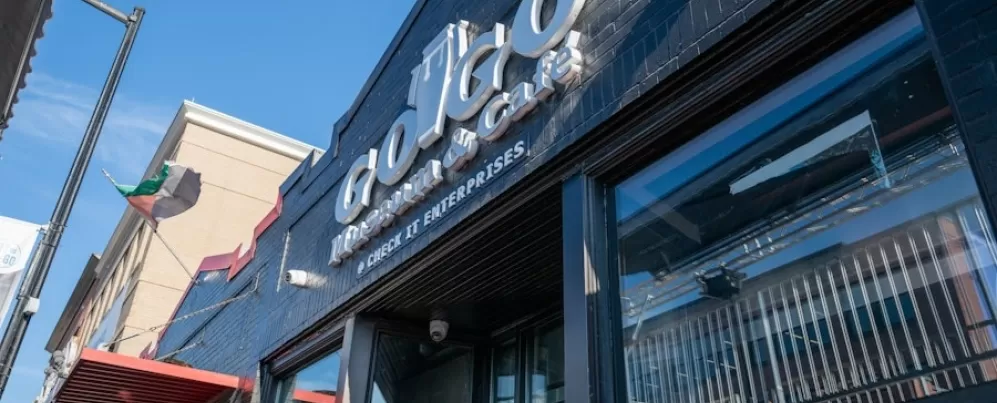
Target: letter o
x=529, y=38
x=354, y=192
x=399, y=149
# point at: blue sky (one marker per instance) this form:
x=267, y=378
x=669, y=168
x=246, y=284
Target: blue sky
x=291, y=69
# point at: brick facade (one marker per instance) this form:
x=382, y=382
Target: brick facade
x=629, y=46
x=964, y=43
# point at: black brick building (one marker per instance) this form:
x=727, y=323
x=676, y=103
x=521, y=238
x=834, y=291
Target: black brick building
x=655, y=230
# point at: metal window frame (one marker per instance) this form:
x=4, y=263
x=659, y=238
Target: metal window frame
x=277, y=369
x=591, y=289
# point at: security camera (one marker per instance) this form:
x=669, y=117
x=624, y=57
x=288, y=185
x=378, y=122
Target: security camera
x=438, y=329
x=438, y=324
x=298, y=278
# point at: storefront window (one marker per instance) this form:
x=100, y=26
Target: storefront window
x=410, y=370
x=547, y=366
x=828, y=243
x=504, y=373
x=313, y=383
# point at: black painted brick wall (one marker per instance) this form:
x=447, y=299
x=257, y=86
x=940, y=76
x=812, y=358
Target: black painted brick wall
x=629, y=46
x=963, y=34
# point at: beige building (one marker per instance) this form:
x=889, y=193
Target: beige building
x=135, y=284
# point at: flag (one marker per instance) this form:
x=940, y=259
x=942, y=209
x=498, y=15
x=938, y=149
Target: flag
x=171, y=192
x=17, y=240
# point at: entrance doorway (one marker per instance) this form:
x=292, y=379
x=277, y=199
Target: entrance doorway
x=414, y=370
x=501, y=292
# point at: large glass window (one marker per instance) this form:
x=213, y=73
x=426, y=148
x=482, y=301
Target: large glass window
x=316, y=383
x=539, y=375
x=504, y=371
x=547, y=366
x=828, y=243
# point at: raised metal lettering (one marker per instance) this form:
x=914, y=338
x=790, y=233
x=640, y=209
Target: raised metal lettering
x=529, y=38
x=354, y=192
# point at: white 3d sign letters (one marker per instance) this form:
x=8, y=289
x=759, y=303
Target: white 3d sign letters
x=354, y=193
x=399, y=149
x=529, y=39
x=459, y=79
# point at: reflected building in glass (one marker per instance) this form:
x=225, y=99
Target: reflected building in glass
x=842, y=255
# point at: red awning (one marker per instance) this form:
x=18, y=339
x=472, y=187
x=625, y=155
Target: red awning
x=102, y=377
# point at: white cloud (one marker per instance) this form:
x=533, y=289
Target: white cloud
x=58, y=111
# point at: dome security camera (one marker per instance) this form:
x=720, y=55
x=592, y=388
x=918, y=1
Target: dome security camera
x=439, y=326
x=438, y=329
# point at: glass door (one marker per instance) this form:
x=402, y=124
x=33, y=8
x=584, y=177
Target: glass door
x=409, y=369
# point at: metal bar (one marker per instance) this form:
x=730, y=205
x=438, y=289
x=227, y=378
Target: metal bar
x=742, y=391
x=638, y=373
x=782, y=348
x=719, y=349
x=34, y=278
x=826, y=365
x=681, y=355
x=806, y=339
x=856, y=322
x=900, y=310
x=704, y=358
x=693, y=367
x=931, y=298
x=174, y=253
x=664, y=366
x=929, y=356
x=654, y=375
x=646, y=370
x=882, y=307
x=804, y=390
x=942, y=280
x=107, y=9
x=872, y=318
x=746, y=352
x=830, y=328
x=653, y=355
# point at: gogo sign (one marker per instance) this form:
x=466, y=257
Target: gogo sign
x=442, y=87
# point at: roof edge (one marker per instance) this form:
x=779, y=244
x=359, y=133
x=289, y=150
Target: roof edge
x=239, y=129
x=69, y=316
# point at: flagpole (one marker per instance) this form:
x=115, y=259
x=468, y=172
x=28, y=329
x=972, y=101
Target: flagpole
x=172, y=252
x=34, y=278
x=155, y=231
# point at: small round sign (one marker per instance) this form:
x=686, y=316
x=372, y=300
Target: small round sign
x=10, y=254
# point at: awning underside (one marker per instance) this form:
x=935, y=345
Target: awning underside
x=102, y=377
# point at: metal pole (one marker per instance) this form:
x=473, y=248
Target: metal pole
x=34, y=279
x=111, y=11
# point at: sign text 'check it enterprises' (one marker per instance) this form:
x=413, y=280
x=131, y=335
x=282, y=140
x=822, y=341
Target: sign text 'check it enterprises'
x=442, y=87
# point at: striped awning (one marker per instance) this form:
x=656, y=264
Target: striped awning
x=103, y=377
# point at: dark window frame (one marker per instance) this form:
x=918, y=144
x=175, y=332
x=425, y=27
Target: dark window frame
x=589, y=206
x=298, y=356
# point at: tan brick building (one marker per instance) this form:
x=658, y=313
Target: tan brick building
x=135, y=283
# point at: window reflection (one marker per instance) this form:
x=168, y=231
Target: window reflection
x=842, y=255
x=316, y=383
x=504, y=373
x=547, y=366
x=408, y=370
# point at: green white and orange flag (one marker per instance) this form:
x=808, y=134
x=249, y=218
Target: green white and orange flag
x=172, y=191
